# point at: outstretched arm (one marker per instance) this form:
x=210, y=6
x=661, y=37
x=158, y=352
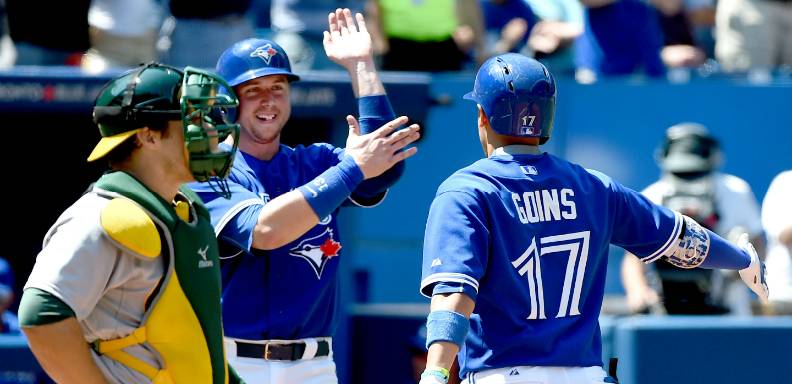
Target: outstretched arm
x=697, y=246
x=292, y=214
x=348, y=43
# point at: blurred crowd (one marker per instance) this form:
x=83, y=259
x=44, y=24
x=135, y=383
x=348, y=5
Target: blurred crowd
x=588, y=38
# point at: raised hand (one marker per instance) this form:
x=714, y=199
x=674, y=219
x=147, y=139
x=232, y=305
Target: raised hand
x=754, y=274
x=347, y=41
x=378, y=151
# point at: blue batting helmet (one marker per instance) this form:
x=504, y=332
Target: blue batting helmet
x=518, y=95
x=252, y=58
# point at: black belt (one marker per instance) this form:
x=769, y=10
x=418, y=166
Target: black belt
x=272, y=351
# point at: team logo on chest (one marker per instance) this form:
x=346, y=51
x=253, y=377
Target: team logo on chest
x=317, y=250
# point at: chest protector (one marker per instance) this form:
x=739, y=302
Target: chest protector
x=182, y=322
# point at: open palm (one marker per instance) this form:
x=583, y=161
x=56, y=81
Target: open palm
x=348, y=41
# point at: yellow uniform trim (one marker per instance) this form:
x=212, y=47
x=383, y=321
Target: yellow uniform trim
x=173, y=332
x=182, y=209
x=138, y=336
x=129, y=225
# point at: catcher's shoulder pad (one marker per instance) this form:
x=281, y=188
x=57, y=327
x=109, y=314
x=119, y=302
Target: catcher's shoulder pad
x=127, y=224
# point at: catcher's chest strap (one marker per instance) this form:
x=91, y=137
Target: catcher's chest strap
x=114, y=350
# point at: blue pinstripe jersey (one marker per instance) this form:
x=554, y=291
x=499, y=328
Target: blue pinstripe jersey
x=527, y=237
x=290, y=292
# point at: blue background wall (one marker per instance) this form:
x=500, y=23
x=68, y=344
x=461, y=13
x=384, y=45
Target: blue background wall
x=613, y=126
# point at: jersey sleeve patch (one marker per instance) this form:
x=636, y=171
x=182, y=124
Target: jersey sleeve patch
x=131, y=227
x=692, y=247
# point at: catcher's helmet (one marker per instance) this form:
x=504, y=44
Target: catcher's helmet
x=135, y=99
x=688, y=147
x=252, y=58
x=159, y=93
x=518, y=95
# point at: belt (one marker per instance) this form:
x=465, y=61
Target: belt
x=281, y=351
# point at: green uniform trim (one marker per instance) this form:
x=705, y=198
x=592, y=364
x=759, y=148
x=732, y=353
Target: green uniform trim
x=196, y=262
x=39, y=307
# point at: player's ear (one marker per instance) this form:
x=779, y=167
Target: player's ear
x=145, y=135
x=483, y=131
x=483, y=121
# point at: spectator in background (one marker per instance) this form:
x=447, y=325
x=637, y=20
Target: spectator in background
x=429, y=36
x=621, y=37
x=200, y=30
x=777, y=221
x=508, y=24
x=297, y=26
x=689, y=158
x=7, y=50
x=48, y=36
x=8, y=321
x=753, y=34
x=701, y=15
x=680, y=49
x=123, y=33
x=551, y=39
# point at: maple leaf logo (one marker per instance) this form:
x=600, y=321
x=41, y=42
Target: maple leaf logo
x=330, y=247
x=318, y=250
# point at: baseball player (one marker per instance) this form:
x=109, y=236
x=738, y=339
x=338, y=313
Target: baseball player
x=280, y=289
x=689, y=157
x=516, y=244
x=127, y=286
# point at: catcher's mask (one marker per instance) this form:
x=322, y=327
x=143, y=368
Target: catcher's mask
x=153, y=92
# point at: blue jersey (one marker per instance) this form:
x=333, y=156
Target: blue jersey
x=527, y=236
x=621, y=38
x=290, y=292
x=496, y=16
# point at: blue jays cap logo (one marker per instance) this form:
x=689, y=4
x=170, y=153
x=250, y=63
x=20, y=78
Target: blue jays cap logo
x=265, y=52
x=317, y=250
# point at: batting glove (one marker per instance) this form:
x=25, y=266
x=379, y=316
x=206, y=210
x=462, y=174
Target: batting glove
x=754, y=274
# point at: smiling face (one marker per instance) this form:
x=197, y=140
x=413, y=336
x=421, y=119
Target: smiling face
x=264, y=108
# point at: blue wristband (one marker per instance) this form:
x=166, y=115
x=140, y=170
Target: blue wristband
x=447, y=326
x=327, y=191
x=724, y=255
x=374, y=111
